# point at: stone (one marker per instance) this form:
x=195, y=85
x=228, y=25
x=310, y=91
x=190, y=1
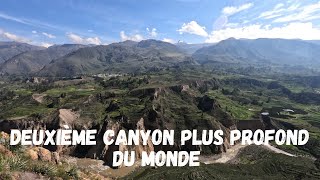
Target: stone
x=4, y=151
x=44, y=154
x=39, y=153
x=32, y=154
x=4, y=135
x=56, y=157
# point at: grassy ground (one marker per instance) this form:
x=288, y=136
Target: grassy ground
x=180, y=110
x=238, y=111
x=252, y=163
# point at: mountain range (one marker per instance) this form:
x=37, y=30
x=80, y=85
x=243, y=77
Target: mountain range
x=10, y=49
x=191, y=48
x=152, y=55
x=124, y=57
x=261, y=51
x=33, y=61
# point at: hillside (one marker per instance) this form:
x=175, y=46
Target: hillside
x=33, y=61
x=152, y=55
x=179, y=99
x=10, y=49
x=261, y=51
x=191, y=48
x=125, y=57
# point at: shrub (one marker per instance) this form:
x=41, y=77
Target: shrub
x=5, y=176
x=1, y=165
x=73, y=172
x=14, y=163
x=44, y=169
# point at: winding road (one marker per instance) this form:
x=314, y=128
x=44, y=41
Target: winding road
x=233, y=152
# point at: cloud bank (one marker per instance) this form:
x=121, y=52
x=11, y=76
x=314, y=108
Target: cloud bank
x=305, y=31
x=193, y=28
x=231, y=10
x=134, y=37
x=81, y=40
x=13, y=37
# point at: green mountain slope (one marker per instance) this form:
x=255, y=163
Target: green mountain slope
x=10, y=49
x=123, y=57
x=33, y=61
x=265, y=51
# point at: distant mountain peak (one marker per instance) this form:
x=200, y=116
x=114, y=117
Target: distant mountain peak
x=126, y=57
x=260, y=51
x=32, y=61
x=150, y=42
x=10, y=49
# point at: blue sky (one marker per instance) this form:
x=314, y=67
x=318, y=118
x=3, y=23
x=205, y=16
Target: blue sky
x=193, y=21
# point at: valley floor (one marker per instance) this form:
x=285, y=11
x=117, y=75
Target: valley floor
x=184, y=99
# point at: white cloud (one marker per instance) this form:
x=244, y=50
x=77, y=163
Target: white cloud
x=222, y=20
x=231, y=10
x=134, y=37
x=80, y=40
x=232, y=25
x=278, y=6
x=168, y=40
x=152, y=32
x=75, y=38
x=275, y=12
x=93, y=40
x=193, y=28
x=48, y=35
x=279, y=10
x=245, y=21
x=46, y=44
x=305, y=13
x=293, y=13
x=34, y=32
x=30, y=22
x=11, y=18
x=13, y=37
x=305, y=31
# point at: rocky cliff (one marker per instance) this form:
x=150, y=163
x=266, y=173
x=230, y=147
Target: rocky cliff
x=175, y=107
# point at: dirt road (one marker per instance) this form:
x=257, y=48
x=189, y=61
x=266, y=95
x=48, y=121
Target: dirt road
x=233, y=152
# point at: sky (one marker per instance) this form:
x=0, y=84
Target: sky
x=49, y=22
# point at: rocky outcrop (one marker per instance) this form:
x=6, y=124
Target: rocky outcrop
x=143, y=92
x=67, y=117
x=140, y=148
x=38, y=97
x=251, y=124
x=61, y=119
x=4, y=139
x=206, y=104
x=173, y=107
x=4, y=136
x=23, y=123
x=210, y=106
x=5, y=152
x=105, y=152
x=180, y=88
x=34, y=153
x=42, y=154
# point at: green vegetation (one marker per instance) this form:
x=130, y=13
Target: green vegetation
x=74, y=90
x=18, y=163
x=189, y=98
x=252, y=163
x=236, y=109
